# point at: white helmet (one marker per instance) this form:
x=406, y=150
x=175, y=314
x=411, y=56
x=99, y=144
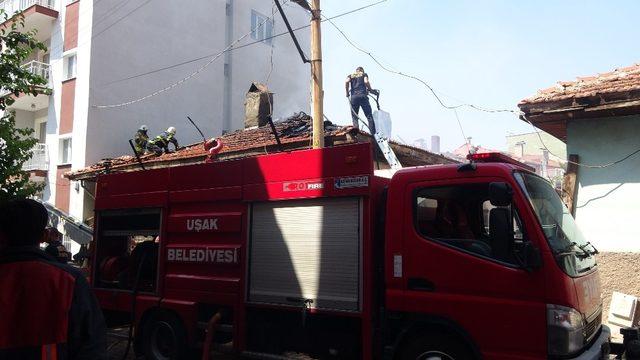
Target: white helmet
x=143, y=128
x=171, y=130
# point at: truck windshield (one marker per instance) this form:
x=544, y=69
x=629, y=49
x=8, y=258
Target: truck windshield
x=572, y=251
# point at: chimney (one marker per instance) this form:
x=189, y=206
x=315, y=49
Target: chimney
x=258, y=105
x=435, y=144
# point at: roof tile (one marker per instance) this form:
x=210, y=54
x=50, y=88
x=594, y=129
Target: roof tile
x=620, y=80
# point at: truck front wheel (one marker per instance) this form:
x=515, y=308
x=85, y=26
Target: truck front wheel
x=434, y=346
x=164, y=338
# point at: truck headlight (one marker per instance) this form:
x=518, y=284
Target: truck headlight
x=565, y=330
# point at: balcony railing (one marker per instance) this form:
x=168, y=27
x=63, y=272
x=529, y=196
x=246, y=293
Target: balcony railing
x=39, y=160
x=37, y=68
x=11, y=7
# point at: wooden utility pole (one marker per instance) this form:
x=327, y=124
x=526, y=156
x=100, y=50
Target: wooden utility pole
x=317, y=94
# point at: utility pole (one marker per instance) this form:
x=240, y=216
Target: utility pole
x=317, y=94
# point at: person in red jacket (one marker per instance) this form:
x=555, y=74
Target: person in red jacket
x=47, y=309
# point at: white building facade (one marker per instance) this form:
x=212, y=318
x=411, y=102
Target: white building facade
x=114, y=52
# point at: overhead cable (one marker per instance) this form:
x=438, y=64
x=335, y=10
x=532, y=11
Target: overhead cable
x=186, y=78
x=476, y=107
x=240, y=46
x=431, y=89
x=588, y=166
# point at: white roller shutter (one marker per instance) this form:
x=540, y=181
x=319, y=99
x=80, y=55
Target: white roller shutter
x=306, y=249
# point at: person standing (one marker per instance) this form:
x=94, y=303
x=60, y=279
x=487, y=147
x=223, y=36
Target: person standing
x=357, y=87
x=55, y=247
x=47, y=309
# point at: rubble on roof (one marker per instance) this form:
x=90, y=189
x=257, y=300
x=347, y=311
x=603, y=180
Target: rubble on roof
x=618, y=81
x=295, y=133
x=615, y=93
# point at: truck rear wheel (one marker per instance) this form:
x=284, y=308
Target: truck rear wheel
x=164, y=338
x=435, y=346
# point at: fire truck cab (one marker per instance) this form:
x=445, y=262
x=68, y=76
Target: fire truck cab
x=309, y=252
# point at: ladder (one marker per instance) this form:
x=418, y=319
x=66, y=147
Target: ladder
x=387, y=151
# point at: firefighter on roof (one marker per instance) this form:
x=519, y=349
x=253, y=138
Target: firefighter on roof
x=141, y=139
x=160, y=144
x=357, y=87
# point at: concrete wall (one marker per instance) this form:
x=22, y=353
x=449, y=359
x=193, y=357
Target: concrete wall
x=608, y=201
x=153, y=35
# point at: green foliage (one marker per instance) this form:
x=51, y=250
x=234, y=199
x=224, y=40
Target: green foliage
x=16, y=144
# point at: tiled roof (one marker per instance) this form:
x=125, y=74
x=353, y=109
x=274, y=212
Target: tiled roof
x=295, y=129
x=620, y=80
x=295, y=133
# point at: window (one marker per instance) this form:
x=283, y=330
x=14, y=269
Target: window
x=70, y=66
x=65, y=151
x=42, y=132
x=460, y=217
x=261, y=27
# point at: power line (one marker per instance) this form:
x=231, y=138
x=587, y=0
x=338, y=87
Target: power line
x=588, y=166
x=183, y=80
x=475, y=107
x=240, y=46
x=92, y=24
x=120, y=19
x=431, y=89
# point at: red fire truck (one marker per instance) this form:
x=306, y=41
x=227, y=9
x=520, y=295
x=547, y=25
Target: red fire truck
x=310, y=252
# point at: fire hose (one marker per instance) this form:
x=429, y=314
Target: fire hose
x=212, y=325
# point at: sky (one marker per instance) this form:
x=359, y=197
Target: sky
x=489, y=53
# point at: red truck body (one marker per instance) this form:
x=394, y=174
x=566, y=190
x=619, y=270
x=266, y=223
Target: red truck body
x=252, y=239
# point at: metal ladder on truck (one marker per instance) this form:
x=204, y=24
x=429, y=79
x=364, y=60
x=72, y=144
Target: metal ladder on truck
x=387, y=151
x=381, y=139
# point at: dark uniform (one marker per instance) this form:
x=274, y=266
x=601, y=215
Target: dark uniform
x=58, y=251
x=161, y=143
x=48, y=310
x=359, y=99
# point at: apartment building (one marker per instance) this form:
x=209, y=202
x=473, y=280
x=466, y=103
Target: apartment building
x=114, y=65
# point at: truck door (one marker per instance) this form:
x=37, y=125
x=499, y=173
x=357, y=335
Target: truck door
x=455, y=269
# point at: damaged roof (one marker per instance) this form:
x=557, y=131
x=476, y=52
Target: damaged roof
x=613, y=93
x=294, y=132
x=620, y=80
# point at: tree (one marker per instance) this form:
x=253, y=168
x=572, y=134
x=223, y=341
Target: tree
x=16, y=144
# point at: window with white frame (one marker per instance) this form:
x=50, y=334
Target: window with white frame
x=65, y=151
x=261, y=27
x=70, y=62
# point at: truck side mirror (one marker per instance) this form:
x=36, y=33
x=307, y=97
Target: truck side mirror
x=500, y=194
x=531, y=258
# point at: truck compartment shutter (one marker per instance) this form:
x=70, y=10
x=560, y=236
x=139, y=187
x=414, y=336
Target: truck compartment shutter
x=306, y=249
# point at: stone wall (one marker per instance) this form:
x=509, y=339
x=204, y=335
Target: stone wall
x=618, y=272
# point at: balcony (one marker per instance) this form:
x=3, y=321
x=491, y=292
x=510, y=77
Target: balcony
x=38, y=14
x=39, y=162
x=28, y=102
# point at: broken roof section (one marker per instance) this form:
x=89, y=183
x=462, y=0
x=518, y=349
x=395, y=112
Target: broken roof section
x=614, y=93
x=294, y=132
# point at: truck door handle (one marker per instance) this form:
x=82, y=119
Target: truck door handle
x=421, y=284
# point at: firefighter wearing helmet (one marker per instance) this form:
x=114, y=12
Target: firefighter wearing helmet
x=160, y=144
x=141, y=139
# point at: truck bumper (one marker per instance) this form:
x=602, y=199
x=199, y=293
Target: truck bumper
x=599, y=349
